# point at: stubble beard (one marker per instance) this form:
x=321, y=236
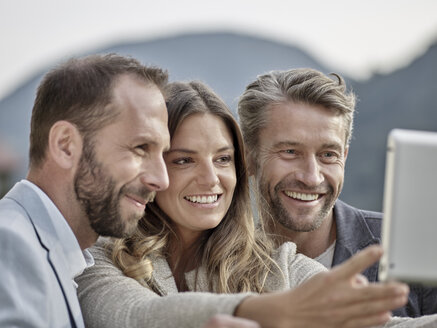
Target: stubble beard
x=275, y=211
x=96, y=192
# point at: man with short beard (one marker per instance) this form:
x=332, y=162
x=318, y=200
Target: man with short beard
x=98, y=133
x=297, y=126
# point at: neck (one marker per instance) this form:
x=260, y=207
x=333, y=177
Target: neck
x=311, y=243
x=182, y=258
x=182, y=253
x=62, y=195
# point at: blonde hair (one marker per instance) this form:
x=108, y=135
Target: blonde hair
x=234, y=256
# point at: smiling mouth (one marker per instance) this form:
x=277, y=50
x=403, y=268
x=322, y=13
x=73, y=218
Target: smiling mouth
x=203, y=199
x=138, y=201
x=301, y=196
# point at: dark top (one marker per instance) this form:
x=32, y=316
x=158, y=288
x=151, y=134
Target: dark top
x=357, y=229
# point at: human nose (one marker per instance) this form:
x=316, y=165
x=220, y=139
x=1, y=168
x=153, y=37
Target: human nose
x=310, y=172
x=207, y=175
x=155, y=176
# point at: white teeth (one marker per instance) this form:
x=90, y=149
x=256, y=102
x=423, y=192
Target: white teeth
x=301, y=196
x=202, y=199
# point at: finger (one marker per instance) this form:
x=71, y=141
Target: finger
x=374, y=291
x=228, y=321
x=358, y=262
x=360, y=281
x=368, y=321
x=374, y=306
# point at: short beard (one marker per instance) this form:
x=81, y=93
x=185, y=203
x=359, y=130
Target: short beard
x=95, y=190
x=274, y=212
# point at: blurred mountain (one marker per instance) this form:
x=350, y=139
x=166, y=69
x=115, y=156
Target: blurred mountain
x=228, y=62
x=406, y=99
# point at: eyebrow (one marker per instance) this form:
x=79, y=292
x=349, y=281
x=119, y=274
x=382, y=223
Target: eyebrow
x=335, y=146
x=149, y=140
x=282, y=144
x=189, y=151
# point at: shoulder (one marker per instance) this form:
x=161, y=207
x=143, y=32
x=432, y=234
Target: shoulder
x=16, y=227
x=12, y=213
x=295, y=268
x=286, y=250
x=20, y=246
x=352, y=218
x=343, y=208
x=26, y=274
x=102, y=249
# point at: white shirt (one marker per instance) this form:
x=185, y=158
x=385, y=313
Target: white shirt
x=77, y=259
x=327, y=256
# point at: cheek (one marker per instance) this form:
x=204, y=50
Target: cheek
x=166, y=198
x=274, y=171
x=229, y=179
x=335, y=175
x=127, y=168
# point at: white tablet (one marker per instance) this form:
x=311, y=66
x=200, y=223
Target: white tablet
x=409, y=230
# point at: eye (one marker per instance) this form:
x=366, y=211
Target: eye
x=224, y=159
x=182, y=160
x=329, y=156
x=288, y=153
x=142, y=149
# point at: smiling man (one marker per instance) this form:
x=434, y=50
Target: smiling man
x=297, y=125
x=98, y=133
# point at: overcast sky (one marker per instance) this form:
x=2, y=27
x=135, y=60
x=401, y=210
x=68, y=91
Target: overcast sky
x=353, y=37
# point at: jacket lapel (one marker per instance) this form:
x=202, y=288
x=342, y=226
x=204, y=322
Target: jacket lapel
x=46, y=232
x=353, y=234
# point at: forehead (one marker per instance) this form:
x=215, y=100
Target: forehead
x=202, y=129
x=131, y=96
x=141, y=109
x=299, y=122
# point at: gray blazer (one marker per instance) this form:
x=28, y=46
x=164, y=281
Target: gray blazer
x=357, y=229
x=36, y=287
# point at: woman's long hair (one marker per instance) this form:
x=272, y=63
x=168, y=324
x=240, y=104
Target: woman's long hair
x=235, y=260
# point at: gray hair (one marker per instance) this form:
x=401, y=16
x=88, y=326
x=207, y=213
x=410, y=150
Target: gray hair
x=303, y=85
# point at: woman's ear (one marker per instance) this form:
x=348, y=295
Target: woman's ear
x=64, y=144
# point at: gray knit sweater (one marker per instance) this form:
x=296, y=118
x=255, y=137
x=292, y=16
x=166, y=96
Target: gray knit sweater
x=110, y=299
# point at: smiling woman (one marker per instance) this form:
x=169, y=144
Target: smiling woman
x=203, y=217
x=201, y=169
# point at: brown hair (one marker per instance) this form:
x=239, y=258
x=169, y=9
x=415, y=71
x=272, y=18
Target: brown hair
x=78, y=91
x=234, y=258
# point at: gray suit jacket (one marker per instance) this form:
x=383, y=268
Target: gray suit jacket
x=36, y=288
x=357, y=229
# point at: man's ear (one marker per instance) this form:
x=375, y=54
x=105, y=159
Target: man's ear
x=65, y=144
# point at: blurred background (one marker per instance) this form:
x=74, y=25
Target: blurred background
x=386, y=50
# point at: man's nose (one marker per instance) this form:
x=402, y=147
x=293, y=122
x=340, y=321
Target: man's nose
x=310, y=172
x=155, y=176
